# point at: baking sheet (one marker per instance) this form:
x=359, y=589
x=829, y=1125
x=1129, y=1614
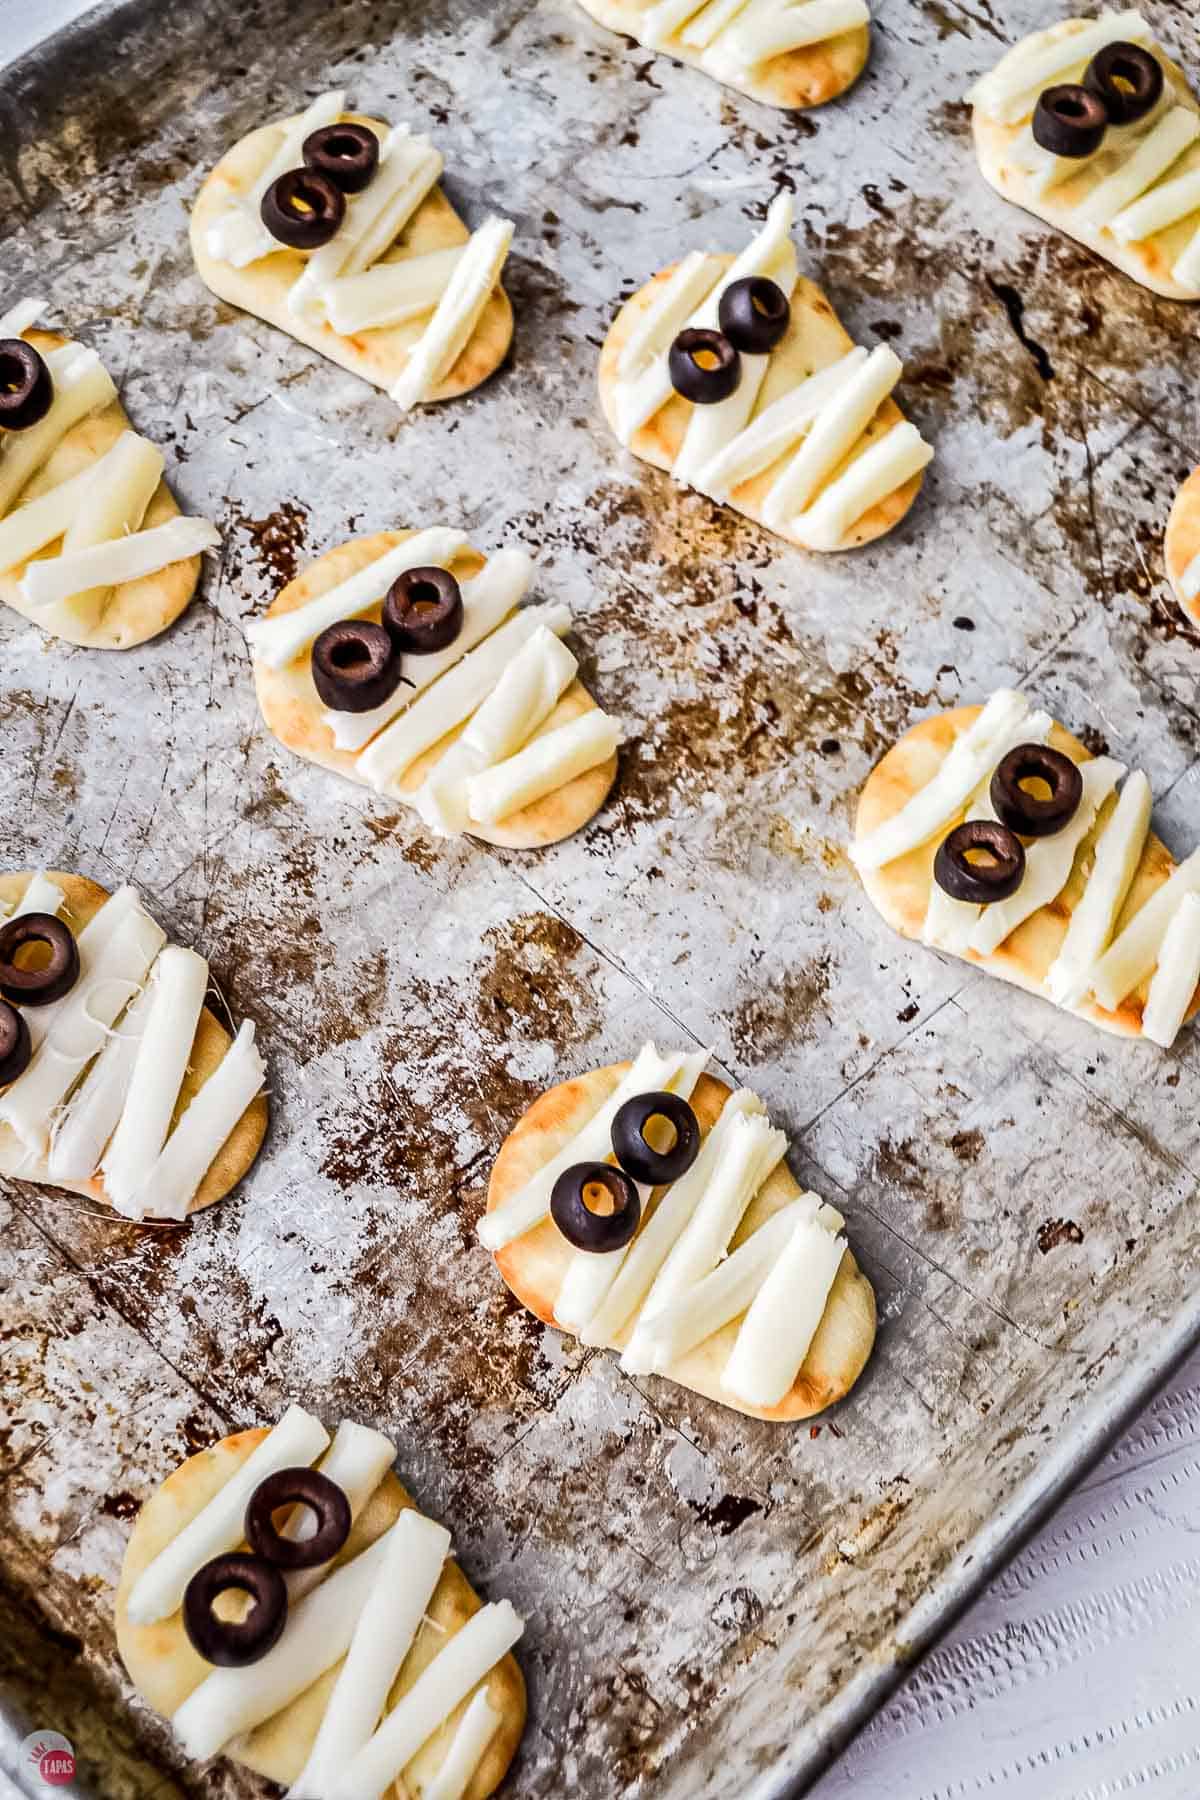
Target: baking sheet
x=711, y=1602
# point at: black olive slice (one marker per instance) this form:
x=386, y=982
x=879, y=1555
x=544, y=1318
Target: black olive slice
x=588, y=1230
x=355, y=666
x=303, y=209
x=298, y=1487
x=998, y=875
x=348, y=154
x=15, y=1047
x=754, y=315
x=704, y=366
x=232, y=1643
x=423, y=610
x=1069, y=120
x=1022, y=811
x=1128, y=79
x=26, y=387
x=36, y=980
x=639, y=1158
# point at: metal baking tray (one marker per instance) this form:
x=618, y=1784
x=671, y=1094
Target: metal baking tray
x=713, y=1604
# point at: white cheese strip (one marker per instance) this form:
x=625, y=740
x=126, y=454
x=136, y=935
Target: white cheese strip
x=1008, y=92
x=29, y=528
x=82, y=386
x=383, y=1636
x=239, y=235
x=1164, y=145
x=41, y=895
x=1187, y=273
x=1162, y=206
x=659, y=23
x=677, y=299
x=92, y=943
x=971, y=757
x=458, y=313
x=122, y=486
x=707, y=26
x=1118, y=854
x=357, y=1461
x=782, y=424
x=591, y=1143
x=1048, y=860
x=374, y=219
x=454, y=698
x=654, y=1242
x=712, y=428
x=779, y=1328
x=80, y=1029
x=754, y=41
x=297, y=1439
x=476, y=1729
x=19, y=318
x=523, y=698
x=123, y=559
x=1176, y=976
x=467, y=1657
x=188, y=1153
x=229, y=1702
x=1189, y=582
x=870, y=478
x=835, y=431
x=542, y=767
x=390, y=293
x=177, y=988
x=276, y=641
x=487, y=599
x=1133, y=954
x=589, y=1275
x=78, y=1142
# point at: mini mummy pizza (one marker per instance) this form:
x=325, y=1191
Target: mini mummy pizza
x=1090, y=126
x=991, y=832
x=92, y=546
x=790, y=53
x=647, y=1208
x=735, y=374
x=1182, y=547
x=365, y=1663
x=116, y=1081
x=332, y=227
x=406, y=662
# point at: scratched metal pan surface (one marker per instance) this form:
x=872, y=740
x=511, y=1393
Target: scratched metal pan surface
x=712, y=1603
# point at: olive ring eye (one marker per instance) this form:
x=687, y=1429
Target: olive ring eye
x=633, y=1150
x=754, y=314
x=1069, y=120
x=26, y=385
x=423, y=611
x=15, y=1046
x=298, y=1487
x=355, y=666
x=26, y=983
x=303, y=209
x=1128, y=79
x=1024, y=812
x=347, y=154
x=579, y=1224
x=233, y=1643
x=980, y=882
x=704, y=366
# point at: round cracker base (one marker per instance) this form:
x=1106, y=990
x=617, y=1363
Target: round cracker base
x=815, y=338
x=1181, y=546
x=135, y=610
x=262, y=288
x=900, y=890
x=164, y=1668
x=81, y=899
x=533, y=1265
x=807, y=77
x=293, y=711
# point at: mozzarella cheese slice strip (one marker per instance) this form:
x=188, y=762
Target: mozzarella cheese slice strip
x=383, y=1636
x=658, y=1236
x=1008, y=92
x=77, y=1144
x=523, y=698
x=678, y=297
x=92, y=943
x=158, y=1591
x=779, y=1328
x=123, y=559
x=122, y=487
x=1048, y=861
x=1176, y=976
x=1153, y=157
x=660, y=23
x=549, y=762
x=1118, y=854
x=275, y=641
x=589, y=1275
x=172, y=1180
x=356, y=1461
x=466, y=1659
x=1187, y=273
x=487, y=599
x=458, y=313
x=409, y=167
x=390, y=293
x=476, y=1729
x=177, y=989
x=454, y=698
x=756, y=40
x=835, y=431
x=1130, y=958
x=971, y=757
x=1162, y=206
x=19, y=318
x=239, y=235
x=591, y=1143
x=82, y=386
x=29, y=528
x=870, y=478
x=782, y=424
x=701, y=32
x=41, y=895
x=1189, y=584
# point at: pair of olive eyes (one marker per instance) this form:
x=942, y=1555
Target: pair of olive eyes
x=638, y=1164
x=706, y=366
x=305, y=207
x=356, y=664
x=1121, y=84
x=983, y=860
